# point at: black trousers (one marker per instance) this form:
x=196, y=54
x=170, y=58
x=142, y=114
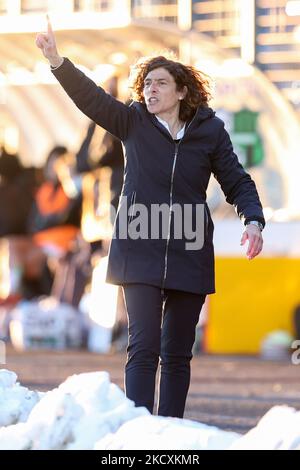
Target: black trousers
x=161, y=329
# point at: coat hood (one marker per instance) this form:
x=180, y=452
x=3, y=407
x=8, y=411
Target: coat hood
x=204, y=113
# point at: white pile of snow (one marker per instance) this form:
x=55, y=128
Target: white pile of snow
x=75, y=415
x=88, y=412
x=16, y=402
x=278, y=429
x=158, y=433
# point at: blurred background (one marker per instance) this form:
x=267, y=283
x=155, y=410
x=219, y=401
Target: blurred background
x=59, y=174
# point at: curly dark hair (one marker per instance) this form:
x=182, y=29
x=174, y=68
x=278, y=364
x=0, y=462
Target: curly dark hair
x=197, y=83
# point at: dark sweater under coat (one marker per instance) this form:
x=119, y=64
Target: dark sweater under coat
x=206, y=148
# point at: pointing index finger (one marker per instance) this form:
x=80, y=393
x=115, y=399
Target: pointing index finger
x=49, y=26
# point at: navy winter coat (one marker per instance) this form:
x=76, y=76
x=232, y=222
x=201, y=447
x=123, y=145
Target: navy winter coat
x=158, y=170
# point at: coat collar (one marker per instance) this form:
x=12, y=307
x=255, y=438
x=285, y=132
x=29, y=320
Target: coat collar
x=202, y=113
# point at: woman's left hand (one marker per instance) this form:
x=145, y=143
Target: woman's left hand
x=253, y=234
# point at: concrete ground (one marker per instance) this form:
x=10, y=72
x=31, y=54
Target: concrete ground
x=232, y=393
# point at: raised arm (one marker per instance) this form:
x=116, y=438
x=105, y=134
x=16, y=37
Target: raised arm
x=102, y=108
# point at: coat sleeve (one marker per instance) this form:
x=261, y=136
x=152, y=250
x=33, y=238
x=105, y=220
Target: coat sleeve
x=237, y=185
x=102, y=108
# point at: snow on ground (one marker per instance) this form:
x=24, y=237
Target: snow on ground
x=78, y=413
x=158, y=433
x=16, y=402
x=278, y=429
x=87, y=411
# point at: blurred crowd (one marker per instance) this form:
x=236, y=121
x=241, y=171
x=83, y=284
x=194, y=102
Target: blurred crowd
x=43, y=250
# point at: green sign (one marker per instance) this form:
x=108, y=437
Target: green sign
x=246, y=139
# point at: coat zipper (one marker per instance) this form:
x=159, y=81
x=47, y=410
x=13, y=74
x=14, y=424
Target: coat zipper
x=171, y=204
x=170, y=217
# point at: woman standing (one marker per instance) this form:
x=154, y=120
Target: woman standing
x=173, y=142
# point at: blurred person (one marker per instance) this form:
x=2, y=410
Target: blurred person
x=173, y=142
x=52, y=230
x=110, y=155
x=55, y=222
x=17, y=188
